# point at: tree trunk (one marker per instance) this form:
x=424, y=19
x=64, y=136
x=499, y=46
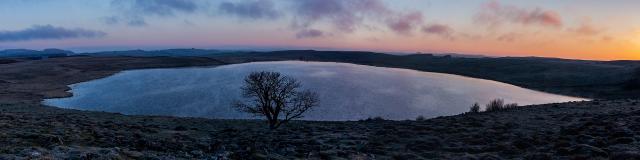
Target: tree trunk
x=273, y=123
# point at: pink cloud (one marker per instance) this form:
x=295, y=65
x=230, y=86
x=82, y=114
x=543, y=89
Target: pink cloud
x=494, y=14
x=405, y=24
x=509, y=37
x=587, y=29
x=606, y=38
x=439, y=29
x=309, y=33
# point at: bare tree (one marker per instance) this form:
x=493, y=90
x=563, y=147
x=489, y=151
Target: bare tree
x=275, y=97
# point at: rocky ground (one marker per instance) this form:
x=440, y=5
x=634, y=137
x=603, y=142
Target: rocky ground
x=577, y=130
x=599, y=130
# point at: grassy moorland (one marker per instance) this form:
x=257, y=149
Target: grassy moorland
x=580, y=130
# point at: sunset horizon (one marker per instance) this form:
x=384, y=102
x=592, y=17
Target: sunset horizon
x=586, y=30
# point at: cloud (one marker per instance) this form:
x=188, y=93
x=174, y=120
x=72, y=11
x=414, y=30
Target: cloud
x=606, y=39
x=110, y=20
x=509, y=37
x=133, y=12
x=439, y=29
x=42, y=32
x=257, y=9
x=405, y=24
x=494, y=14
x=136, y=21
x=348, y=15
x=131, y=21
x=587, y=29
x=470, y=36
x=343, y=15
x=309, y=33
x=156, y=7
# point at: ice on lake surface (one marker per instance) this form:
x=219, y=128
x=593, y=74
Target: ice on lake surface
x=347, y=91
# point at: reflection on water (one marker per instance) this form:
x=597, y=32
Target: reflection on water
x=347, y=91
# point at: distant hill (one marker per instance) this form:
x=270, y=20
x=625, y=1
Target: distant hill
x=26, y=53
x=591, y=79
x=167, y=53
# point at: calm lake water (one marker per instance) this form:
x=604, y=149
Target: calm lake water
x=347, y=91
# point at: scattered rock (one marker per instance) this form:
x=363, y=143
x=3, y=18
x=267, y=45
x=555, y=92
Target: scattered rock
x=624, y=140
x=587, y=150
x=180, y=128
x=628, y=155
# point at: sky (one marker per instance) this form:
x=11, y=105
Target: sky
x=576, y=29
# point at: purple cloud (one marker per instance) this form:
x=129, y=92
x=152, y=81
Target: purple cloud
x=439, y=29
x=494, y=14
x=250, y=9
x=405, y=24
x=134, y=11
x=41, y=32
x=347, y=15
x=344, y=15
x=309, y=33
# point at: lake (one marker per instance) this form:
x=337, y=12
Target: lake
x=347, y=91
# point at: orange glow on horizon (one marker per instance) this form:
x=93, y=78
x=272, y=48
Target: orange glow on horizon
x=594, y=48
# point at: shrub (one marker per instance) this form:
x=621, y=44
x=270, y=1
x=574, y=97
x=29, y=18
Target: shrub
x=495, y=105
x=510, y=106
x=475, y=108
x=377, y=118
x=420, y=118
x=498, y=104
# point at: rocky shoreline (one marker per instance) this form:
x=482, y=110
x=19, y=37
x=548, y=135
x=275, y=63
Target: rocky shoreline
x=575, y=130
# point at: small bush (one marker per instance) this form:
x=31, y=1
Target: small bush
x=498, y=104
x=510, y=106
x=420, y=118
x=495, y=105
x=180, y=128
x=475, y=108
x=377, y=118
